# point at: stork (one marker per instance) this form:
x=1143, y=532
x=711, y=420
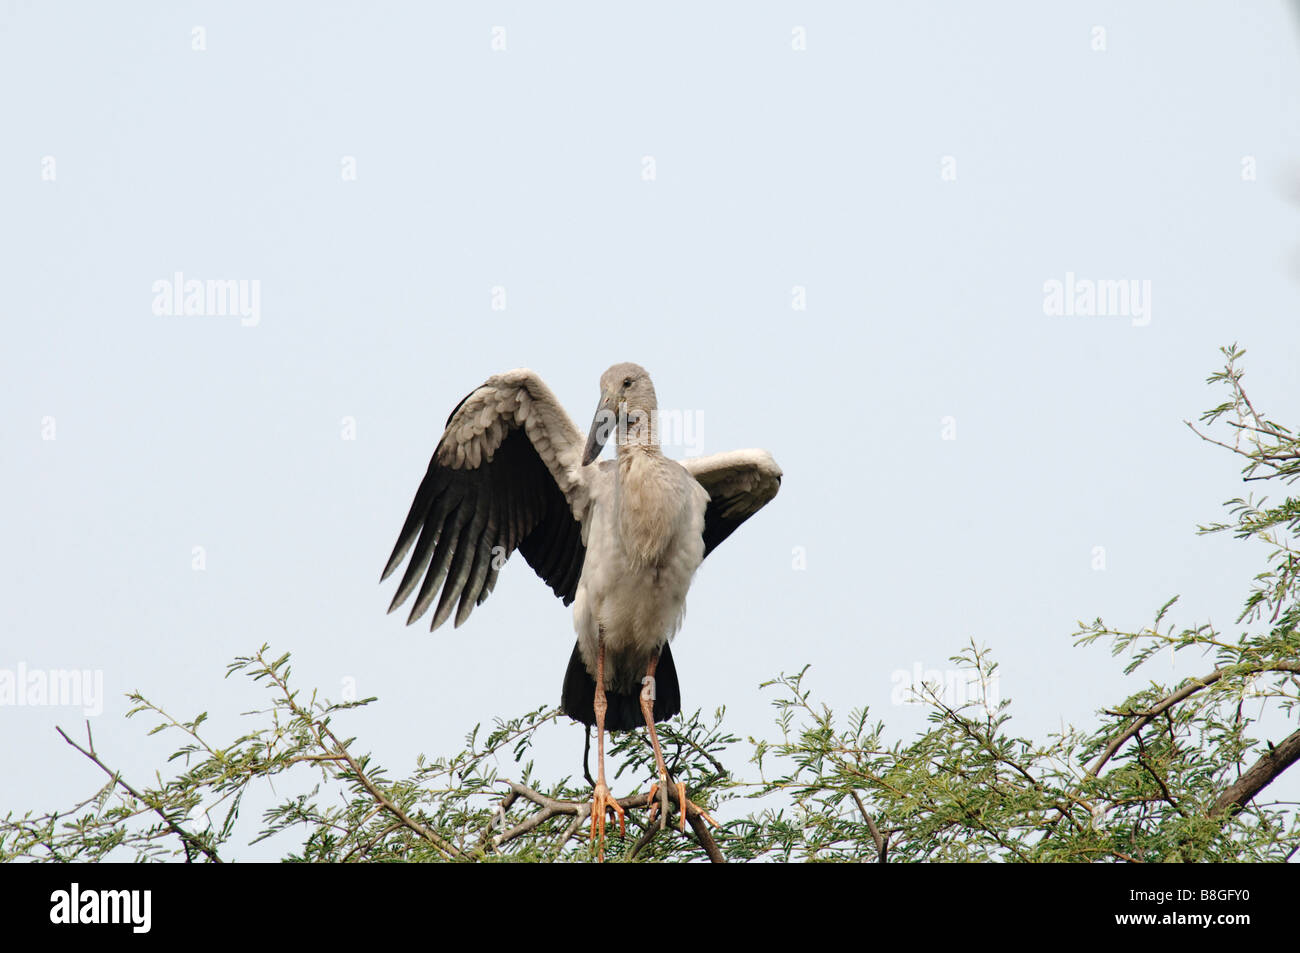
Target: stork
x=619, y=539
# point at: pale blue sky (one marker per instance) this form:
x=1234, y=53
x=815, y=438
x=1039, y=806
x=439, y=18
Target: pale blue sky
x=523, y=169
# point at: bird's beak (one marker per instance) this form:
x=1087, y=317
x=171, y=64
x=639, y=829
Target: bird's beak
x=601, y=427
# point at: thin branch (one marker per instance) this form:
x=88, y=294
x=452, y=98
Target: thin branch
x=365, y=848
x=487, y=840
x=186, y=837
x=651, y=831
x=442, y=844
x=1160, y=782
x=1169, y=701
x=323, y=731
x=568, y=834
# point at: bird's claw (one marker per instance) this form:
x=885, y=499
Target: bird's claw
x=601, y=802
x=685, y=805
x=658, y=797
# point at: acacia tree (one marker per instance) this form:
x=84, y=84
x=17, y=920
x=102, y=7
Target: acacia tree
x=1173, y=772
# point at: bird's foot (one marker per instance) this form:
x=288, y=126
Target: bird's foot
x=601, y=802
x=685, y=806
x=658, y=799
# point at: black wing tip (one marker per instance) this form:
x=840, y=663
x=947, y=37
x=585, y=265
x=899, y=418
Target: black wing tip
x=458, y=515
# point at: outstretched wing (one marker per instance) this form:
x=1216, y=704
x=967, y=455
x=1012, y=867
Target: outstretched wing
x=506, y=474
x=740, y=483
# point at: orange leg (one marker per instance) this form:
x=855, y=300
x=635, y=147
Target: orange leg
x=601, y=799
x=660, y=787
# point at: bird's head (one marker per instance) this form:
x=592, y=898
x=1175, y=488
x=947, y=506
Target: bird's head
x=627, y=409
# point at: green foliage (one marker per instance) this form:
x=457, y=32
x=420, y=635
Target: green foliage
x=1171, y=773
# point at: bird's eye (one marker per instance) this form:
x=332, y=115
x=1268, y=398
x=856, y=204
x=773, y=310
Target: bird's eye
x=627, y=382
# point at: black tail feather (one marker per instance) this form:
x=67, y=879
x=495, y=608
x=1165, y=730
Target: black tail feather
x=578, y=699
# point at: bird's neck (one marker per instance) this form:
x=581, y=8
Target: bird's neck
x=638, y=434
x=646, y=508
x=630, y=452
